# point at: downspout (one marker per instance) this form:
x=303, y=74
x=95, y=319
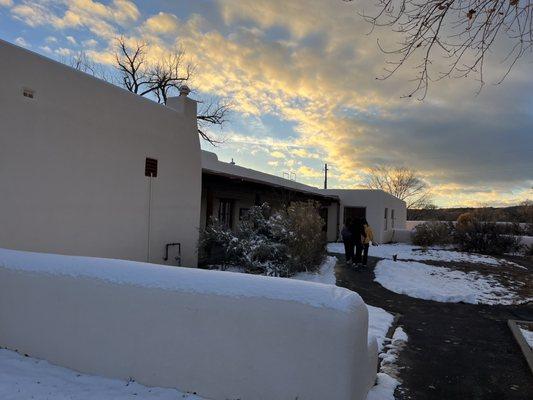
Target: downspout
x=338, y=220
x=149, y=221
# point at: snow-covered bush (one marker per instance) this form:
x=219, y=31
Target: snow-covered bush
x=299, y=228
x=483, y=237
x=274, y=243
x=432, y=233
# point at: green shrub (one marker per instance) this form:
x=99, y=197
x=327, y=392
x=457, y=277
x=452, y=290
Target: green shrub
x=278, y=243
x=433, y=233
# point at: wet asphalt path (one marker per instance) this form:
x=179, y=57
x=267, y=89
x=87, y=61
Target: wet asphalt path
x=455, y=351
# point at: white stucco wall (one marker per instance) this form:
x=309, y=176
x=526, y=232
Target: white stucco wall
x=219, y=334
x=400, y=217
x=72, y=165
x=375, y=202
x=334, y=222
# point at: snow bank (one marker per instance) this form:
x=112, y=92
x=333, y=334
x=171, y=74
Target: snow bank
x=379, y=323
x=409, y=252
x=384, y=389
x=23, y=378
x=325, y=275
x=427, y=282
x=181, y=279
x=217, y=334
x=388, y=380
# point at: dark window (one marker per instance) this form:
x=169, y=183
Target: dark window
x=225, y=213
x=386, y=218
x=150, y=167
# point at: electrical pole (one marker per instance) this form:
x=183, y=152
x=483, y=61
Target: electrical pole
x=326, y=176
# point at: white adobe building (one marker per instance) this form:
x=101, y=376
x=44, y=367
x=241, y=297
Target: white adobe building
x=74, y=152
x=87, y=168
x=229, y=190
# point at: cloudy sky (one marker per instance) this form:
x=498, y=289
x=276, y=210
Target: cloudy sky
x=302, y=79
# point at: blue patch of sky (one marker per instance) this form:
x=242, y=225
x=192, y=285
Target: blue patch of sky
x=368, y=114
x=183, y=9
x=279, y=128
x=11, y=29
x=315, y=41
x=277, y=33
x=36, y=37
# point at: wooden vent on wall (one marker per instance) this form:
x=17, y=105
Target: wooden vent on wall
x=150, y=167
x=28, y=93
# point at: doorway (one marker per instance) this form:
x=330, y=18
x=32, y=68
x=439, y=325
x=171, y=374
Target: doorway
x=353, y=213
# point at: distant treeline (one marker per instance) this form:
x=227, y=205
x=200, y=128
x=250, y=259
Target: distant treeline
x=522, y=213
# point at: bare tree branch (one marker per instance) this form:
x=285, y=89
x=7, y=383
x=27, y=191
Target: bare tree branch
x=169, y=75
x=212, y=113
x=404, y=183
x=460, y=32
x=82, y=62
x=163, y=79
x=131, y=65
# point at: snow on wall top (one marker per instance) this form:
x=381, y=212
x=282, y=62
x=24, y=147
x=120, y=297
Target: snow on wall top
x=189, y=280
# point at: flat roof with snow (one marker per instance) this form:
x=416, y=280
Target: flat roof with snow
x=212, y=165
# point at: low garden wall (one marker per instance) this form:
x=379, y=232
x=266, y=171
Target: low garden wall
x=219, y=334
x=402, y=236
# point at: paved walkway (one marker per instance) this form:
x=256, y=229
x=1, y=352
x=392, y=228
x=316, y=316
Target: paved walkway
x=455, y=351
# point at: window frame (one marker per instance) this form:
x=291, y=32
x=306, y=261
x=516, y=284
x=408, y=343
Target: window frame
x=225, y=212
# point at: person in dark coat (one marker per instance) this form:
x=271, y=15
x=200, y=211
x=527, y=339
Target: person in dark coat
x=348, y=240
x=359, y=238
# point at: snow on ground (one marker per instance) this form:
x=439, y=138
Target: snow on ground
x=384, y=388
x=410, y=252
x=528, y=335
x=23, y=378
x=379, y=323
x=325, y=275
x=389, y=358
x=387, y=379
x=442, y=284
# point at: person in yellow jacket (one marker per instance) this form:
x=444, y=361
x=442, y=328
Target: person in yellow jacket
x=369, y=238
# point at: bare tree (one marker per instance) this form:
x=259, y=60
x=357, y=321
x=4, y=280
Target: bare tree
x=82, y=62
x=169, y=75
x=132, y=67
x=161, y=80
x=463, y=32
x=404, y=183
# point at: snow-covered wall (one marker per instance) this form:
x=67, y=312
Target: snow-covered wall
x=221, y=335
x=72, y=165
